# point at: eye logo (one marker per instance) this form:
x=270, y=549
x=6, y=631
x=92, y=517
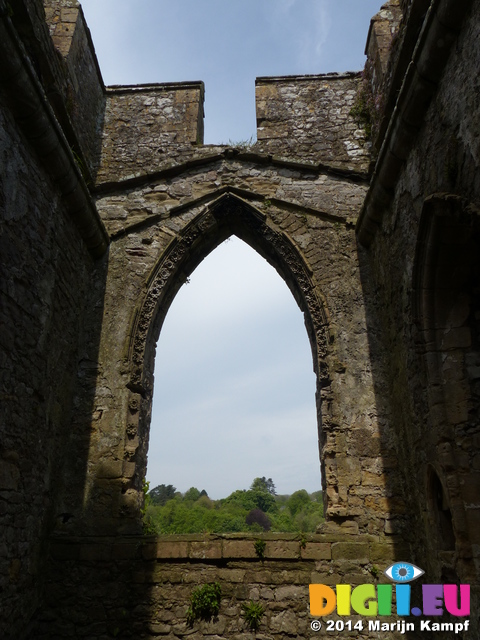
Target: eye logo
x=403, y=572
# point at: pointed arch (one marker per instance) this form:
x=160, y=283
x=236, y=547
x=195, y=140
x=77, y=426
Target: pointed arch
x=228, y=215
x=446, y=309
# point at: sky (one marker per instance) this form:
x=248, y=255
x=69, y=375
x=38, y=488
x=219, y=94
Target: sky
x=234, y=385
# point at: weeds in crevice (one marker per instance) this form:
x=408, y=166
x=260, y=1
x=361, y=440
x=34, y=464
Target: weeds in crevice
x=260, y=548
x=204, y=603
x=369, y=105
x=253, y=614
x=243, y=145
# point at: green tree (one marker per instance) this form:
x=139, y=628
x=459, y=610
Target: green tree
x=193, y=494
x=298, y=501
x=241, y=498
x=264, y=484
x=161, y=494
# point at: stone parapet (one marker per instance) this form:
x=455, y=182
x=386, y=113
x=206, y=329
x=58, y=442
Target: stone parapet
x=143, y=585
x=147, y=126
x=311, y=117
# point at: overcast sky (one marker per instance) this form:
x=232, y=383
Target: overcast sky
x=234, y=384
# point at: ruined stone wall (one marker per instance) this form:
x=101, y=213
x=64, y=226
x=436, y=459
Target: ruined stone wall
x=45, y=269
x=309, y=117
x=142, y=587
x=306, y=209
x=392, y=322
x=46, y=257
x=80, y=98
x=423, y=260
x=167, y=203
x=147, y=127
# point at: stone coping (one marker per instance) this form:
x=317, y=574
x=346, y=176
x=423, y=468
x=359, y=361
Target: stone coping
x=333, y=75
x=155, y=86
x=363, y=549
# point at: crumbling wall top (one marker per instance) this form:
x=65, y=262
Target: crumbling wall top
x=310, y=117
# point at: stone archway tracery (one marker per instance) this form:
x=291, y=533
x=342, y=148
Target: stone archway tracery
x=225, y=216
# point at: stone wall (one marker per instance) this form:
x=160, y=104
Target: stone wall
x=83, y=92
x=140, y=587
x=392, y=321
x=45, y=269
x=310, y=117
x=147, y=127
x=301, y=220
x=423, y=260
x=49, y=235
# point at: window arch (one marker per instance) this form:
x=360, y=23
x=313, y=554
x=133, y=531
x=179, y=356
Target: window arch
x=228, y=215
x=234, y=386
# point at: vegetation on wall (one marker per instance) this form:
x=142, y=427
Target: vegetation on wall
x=204, y=603
x=254, y=510
x=253, y=614
x=368, y=107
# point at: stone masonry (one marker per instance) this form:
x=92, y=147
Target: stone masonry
x=363, y=192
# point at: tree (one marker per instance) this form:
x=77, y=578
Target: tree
x=161, y=494
x=242, y=498
x=265, y=485
x=263, y=500
x=298, y=501
x=192, y=494
x=257, y=516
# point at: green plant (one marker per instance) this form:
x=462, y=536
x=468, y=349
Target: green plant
x=303, y=541
x=260, y=548
x=253, y=614
x=375, y=571
x=204, y=603
x=362, y=113
x=242, y=144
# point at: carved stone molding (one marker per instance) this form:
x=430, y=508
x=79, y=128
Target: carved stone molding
x=229, y=214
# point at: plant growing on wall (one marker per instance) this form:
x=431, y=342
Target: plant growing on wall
x=260, y=548
x=204, y=603
x=253, y=614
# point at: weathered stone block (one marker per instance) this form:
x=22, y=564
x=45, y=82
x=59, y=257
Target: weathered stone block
x=316, y=551
x=110, y=469
x=358, y=551
x=208, y=549
x=282, y=549
x=171, y=549
x=290, y=593
x=284, y=623
x=239, y=549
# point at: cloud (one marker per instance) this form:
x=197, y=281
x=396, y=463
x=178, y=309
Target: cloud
x=312, y=44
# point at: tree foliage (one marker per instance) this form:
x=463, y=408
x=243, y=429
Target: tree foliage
x=256, y=516
x=244, y=510
x=161, y=494
x=264, y=485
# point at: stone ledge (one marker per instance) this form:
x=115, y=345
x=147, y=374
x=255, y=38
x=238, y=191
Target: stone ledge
x=230, y=547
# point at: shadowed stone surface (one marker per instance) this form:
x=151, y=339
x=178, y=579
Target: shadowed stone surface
x=109, y=200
